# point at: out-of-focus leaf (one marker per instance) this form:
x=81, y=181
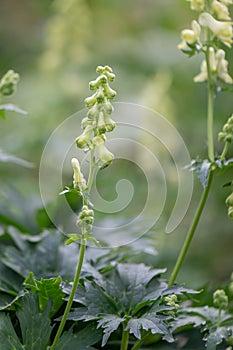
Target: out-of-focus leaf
x=12, y=108
x=9, y=158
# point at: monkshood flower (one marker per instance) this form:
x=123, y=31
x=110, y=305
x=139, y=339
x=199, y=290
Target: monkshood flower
x=222, y=30
x=197, y=5
x=218, y=66
x=190, y=36
x=220, y=10
x=79, y=181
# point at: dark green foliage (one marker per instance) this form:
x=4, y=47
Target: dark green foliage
x=131, y=295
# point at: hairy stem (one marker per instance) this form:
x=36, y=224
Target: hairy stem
x=191, y=231
x=72, y=293
x=210, y=106
x=124, y=340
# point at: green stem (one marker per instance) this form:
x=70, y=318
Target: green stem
x=140, y=342
x=91, y=171
x=219, y=317
x=124, y=340
x=224, y=152
x=191, y=231
x=71, y=297
x=210, y=106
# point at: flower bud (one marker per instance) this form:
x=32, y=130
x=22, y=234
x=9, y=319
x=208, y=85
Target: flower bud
x=84, y=138
x=101, y=127
x=230, y=213
x=97, y=140
x=221, y=10
x=109, y=123
x=203, y=75
x=90, y=101
x=8, y=83
x=85, y=122
x=110, y=93
x=108, y=108
x=79, y=181
x=229, y=200
x=222, y=67
x=197, y=5
x=104, y=155
x=100, y=96
x=220, y=299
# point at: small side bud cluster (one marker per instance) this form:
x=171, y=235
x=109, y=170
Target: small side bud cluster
x=8, y=83
x=226, y=135
x=86, y=218
x=220, y=299
x=171, y=300
x=229, y=203
x=98, y=121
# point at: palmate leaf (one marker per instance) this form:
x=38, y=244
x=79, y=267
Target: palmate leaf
x=152, y=323
x=131, y=295
x=8, y=337
x=44, y=254
x=109, y=323
x=47, y=289
x=81, y=340
x=213, y=339
x=35, y=325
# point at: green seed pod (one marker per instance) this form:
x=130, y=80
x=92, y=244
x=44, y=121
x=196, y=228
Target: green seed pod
x=230, y=213
x=220, y=299
x=229, y=200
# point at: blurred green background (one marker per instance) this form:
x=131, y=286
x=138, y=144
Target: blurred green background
x=56, y=45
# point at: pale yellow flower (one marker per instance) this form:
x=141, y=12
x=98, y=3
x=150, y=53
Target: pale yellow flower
x=203, y=75
x=222, y=67
x=197, y=5
x=78, y=178
x=190, y=36
x=221, y=10
x=223, y=30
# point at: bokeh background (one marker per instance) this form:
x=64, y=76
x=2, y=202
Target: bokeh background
x=55, y=47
